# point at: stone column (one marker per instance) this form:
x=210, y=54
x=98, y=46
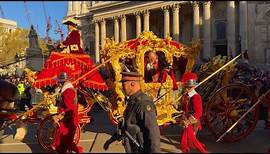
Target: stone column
x=84, y=6
x=196, y=20
x=123, y=28
x=116, y=29
x=243, y=24
x=146, y=20
x=77, y=7
x=74, y=7
x=176, y=23
x=70, y=8
x=166, y=21
x=138, y=23
x=207, y=30
x=103, y=32
x=97, y=41
x=231, y=48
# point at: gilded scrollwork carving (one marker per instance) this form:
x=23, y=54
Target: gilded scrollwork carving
x=145, y=42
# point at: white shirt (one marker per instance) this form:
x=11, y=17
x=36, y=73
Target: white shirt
x=192, y=93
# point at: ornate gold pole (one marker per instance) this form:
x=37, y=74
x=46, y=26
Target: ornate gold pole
x=22, y=116
x=258, y=101
x=207, y=78
x=218, y=70
x=95, y=68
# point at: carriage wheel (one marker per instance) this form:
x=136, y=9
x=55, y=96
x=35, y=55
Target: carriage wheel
x=46, y=133
x=225, y=107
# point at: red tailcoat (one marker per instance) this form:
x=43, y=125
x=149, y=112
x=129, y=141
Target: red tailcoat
x=189, y=138
x=65, y=139
x=172, y=75
x=8, y=116
x=73, y=42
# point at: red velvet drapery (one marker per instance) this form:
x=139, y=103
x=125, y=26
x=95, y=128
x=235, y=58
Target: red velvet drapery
x=75, y=65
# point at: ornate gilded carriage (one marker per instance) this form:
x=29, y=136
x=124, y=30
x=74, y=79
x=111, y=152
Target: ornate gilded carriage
x=132, y=54
x=225, y=103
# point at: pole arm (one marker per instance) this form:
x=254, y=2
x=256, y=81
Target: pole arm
x=75, y=82
x=25, y=114
x=207, y=78
x=218, y=70
x=258, y=101
x=21, y=115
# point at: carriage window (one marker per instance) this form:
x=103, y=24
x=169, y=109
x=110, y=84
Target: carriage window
x=127, y=64
x=155, y=62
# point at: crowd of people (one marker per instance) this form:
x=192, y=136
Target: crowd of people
x=28, y=94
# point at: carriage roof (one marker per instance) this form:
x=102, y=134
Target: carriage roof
x=148, y=41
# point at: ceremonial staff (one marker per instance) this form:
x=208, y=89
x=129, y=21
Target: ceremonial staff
x=23, y=115
x=207, y=78
x=258, y=101
x=95, y=68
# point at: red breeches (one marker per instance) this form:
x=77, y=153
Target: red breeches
x=64, y=141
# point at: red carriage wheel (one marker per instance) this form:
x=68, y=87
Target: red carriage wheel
x=46, y=133
x=226, y=106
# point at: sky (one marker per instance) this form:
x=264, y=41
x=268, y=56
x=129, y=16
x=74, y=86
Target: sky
x=16, y=10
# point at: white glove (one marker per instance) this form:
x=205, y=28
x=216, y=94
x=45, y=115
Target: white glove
x=149, y=66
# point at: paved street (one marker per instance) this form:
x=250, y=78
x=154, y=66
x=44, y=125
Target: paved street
x=101, y=128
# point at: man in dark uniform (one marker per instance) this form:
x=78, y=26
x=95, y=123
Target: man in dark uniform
x=138, y=128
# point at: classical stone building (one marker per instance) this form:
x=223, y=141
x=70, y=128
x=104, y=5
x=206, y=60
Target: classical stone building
x=224, y=27
x=9, y=25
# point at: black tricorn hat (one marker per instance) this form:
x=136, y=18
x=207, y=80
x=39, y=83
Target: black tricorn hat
x=62, y=77
x=71, y=21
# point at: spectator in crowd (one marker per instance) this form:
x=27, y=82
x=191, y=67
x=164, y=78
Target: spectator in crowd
x=25, y=95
